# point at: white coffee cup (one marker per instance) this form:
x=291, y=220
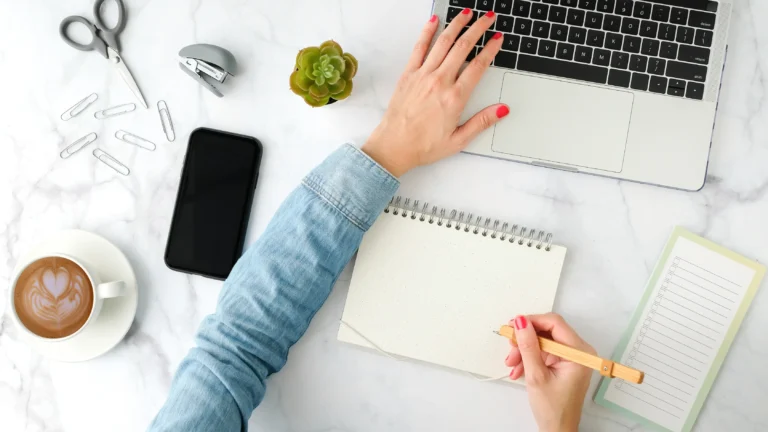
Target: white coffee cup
x=101, y=291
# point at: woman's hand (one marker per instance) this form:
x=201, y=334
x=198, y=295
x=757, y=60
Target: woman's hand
x=421, y=125
x=556, y=387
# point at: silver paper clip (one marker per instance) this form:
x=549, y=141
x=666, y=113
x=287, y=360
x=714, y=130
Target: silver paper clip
x=165, y=120
x=79, y=107
x=111, y=162
x=115, y=111
x=78, y=145
x=135, y=140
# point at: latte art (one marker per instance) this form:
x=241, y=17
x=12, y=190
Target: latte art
x=53, y=297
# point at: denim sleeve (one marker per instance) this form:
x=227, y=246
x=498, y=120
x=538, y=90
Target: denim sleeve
x=273, y=292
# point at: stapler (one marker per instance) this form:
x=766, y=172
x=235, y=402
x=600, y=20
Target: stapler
x=209, y=65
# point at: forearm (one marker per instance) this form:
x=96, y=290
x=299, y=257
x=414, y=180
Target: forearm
x=273, y=292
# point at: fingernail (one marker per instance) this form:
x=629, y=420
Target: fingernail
x=433, y=19
x=498, y=36
x=511, y=372
x=502, y=112
x=491, y=14
x=508, y=356
x=521, y=322
x=466, y=11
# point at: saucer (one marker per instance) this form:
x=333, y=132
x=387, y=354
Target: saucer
x=116, y=315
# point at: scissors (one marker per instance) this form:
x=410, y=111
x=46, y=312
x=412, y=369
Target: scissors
x=105, y=41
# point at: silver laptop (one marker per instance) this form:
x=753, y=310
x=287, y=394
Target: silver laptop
x=618, y=88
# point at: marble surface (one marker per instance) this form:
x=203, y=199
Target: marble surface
x=614, y=230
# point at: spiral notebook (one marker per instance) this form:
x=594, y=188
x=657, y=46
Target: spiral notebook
x=433, y=285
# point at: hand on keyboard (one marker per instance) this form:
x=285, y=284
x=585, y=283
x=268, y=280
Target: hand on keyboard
x=421, y=125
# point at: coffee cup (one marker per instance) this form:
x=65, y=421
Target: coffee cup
x=56, y=297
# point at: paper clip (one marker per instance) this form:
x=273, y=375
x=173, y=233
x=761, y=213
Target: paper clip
x=165, y=120
x=135, y=140
x=111, y=162
x=78, y=145
x=115, y=111
x=79, y=107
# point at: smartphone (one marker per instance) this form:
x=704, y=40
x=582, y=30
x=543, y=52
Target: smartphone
x=213, y=204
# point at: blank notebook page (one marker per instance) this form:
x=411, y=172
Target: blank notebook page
x=436, y=294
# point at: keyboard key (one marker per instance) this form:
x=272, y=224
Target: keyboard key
x=522, y=8
x=677, y=83
x=554, y=2
x=583, y=54
x=638, y=63
x=523, y=26
x=679, y=16
x=660, y=13
x=667, y=32
x=484, y=5
x=668, y=50
x=650, y=47
x=632, y=44
x=658, y=85
x=472, y=54
x=657, y=66
x=640, y=81
x=614, y=41
x=675, y=91
x=630, y=26
x=594, y=20
x=506, y=60
x=587, y=4
x=642, y=10
x=503, y=7
x=620, y=60
x=601, y=57
x=624, y=7
x=686, y=71
x=488, y=36
x=612, y=23
x=619, y=78
x=606, y=6
x=463, y=3
x=547, y=48
x=701, y=19
x=595, y=38
x=695, y=91
x=452, y=13
x=685, y=35
x=539, y=11
x=541, y=29
x=557, y=14
x=505, y=23
x=565, y=51
x=577, y=35
x=511, y=42
x=693, y=54
x=559, y=32
x=576, y=17
x=569, y=3
x=529, y=45
x=703, y=38
x=563, y=69
x=649, y=29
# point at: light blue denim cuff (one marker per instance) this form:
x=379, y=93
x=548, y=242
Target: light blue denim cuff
x=354, y=184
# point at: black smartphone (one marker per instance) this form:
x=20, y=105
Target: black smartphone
x=213, y=205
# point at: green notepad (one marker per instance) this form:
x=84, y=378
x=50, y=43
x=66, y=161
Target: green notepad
x=681, y=332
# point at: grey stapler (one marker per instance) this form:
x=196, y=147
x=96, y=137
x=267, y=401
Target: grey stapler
x=209, y=65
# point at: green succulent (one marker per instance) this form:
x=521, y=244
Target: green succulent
x=323, y=73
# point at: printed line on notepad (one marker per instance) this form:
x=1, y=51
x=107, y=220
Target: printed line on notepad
x=674, y=340
x=665, y=373
x=705, y=289
x=645, y=401
x=699, y=294
x=713, y=274
x=678, y=332
x=699, y=305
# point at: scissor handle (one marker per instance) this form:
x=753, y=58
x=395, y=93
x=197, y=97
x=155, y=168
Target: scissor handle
x=110, y=35
x=96, y=43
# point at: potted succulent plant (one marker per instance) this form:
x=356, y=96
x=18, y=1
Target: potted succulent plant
x=323, y=75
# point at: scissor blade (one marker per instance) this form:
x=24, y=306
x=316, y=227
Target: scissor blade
x=119, y=64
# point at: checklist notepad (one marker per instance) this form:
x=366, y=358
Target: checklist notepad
x=681, y=332
x=433, y=285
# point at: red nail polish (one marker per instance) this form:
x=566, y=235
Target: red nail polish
x=507, y=359
x=502, y=112
x=521, y=322
x=498, y=35
x=433, y=19
x=511, y=372
x=466, y=11
x=491, y=14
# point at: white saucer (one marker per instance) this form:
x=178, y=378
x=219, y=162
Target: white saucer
x=116, y=315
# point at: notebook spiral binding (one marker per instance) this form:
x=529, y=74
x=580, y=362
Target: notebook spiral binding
x=460, y=221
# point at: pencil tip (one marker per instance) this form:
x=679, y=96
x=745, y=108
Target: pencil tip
x=497, y=332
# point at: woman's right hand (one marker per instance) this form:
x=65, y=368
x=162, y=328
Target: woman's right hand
x=556, y=387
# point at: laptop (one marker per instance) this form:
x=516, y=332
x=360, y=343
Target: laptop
x=618, y=88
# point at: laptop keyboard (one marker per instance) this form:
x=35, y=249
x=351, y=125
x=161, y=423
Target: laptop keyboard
x=646, y=46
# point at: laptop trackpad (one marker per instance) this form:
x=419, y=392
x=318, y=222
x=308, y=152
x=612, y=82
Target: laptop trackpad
x=562, y=122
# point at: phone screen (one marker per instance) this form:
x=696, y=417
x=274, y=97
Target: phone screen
x=213, y=204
